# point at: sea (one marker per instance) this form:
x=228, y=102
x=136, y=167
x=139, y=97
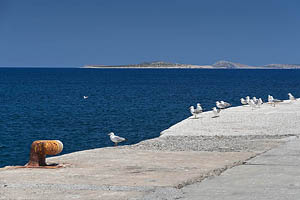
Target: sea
x=48, y=103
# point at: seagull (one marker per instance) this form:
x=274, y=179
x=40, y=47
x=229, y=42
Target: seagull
x=220, y=105
x=116, y=139
x=291, y=97
x=226, y=104
x=243, y=101
x=255, y=100
x=252, y=104
x=259, y=102
x=197, y=111
x=273, y=101
x=85, y=97
x=199, y=108
x=216, y=112
x=270, y=98
x=247, y=99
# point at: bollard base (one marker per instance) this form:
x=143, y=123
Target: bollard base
x=51, y=166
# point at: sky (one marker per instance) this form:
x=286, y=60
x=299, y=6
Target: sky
x=73, y=33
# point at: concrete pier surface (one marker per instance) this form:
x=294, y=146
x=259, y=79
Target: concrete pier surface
x=211, y=158
x=273, y=175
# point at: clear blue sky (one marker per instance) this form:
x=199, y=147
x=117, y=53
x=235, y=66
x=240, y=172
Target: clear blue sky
x=79, y=32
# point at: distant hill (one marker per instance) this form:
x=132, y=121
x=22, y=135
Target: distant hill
x=231, y=65
x=218, y=65
x=283, y=66
x=156, y=64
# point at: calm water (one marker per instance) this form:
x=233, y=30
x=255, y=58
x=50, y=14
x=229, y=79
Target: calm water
x=137, y=104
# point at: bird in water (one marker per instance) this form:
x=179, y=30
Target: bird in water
x=116, y=139
x=85, y=97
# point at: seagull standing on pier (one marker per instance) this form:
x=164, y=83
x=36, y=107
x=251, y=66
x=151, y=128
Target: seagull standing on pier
x=196, y=111
x=291, y=97
x=259, y=102
x=216, y=112
x=225, y=104
x=247, y=99
x=270, y=98
x=199, y=108
x=220, y=105
x=243, y=101
x=255, y=100
x=116, y=139
x=252, y=104
x=273, y=101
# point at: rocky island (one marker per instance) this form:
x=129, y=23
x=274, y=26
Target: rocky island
x=217, y=65
x=154, y=65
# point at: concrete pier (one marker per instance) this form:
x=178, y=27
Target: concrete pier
x=175, y=165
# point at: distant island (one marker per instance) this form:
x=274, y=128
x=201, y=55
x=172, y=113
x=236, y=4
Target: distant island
x=217, y=65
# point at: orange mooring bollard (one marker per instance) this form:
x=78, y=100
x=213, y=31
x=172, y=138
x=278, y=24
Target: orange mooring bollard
x=41, y=148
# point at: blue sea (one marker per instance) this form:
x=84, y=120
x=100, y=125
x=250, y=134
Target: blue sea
x=137, y=104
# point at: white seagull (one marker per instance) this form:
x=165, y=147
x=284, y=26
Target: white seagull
x=270, y=99
x=116, y=139
x=196, y=111
x=85, y=97
x=252, y=104
x=259, y=102
x=226, y=104
x=220, y=105
x=199, y=108
x=243, y=101
x=216, y=112
x=255, y=100
x=291, y=97
x=273, y=101
x=247, y=99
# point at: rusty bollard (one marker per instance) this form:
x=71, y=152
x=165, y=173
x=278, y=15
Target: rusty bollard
x=40, y=148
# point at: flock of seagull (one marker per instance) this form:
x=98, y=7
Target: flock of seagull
x=253, y=103
x=220, y=105
x=216, y=110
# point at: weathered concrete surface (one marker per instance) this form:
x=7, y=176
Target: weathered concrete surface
x=272, y=175
x=114, y=173
x=240, y=121
x=256, y=143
